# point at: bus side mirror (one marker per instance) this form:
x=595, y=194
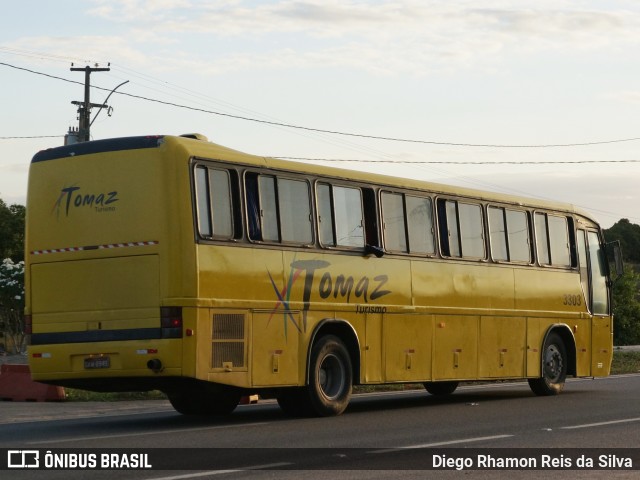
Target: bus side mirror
x=617, y=258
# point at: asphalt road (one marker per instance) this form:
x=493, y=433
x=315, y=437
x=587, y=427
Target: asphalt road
x=384, y=435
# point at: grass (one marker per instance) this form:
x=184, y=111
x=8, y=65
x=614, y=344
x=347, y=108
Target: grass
x=623, y=362
x=76, y=395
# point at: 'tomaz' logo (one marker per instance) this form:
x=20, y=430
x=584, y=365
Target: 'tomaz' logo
x=364, y=289
x=73, y=197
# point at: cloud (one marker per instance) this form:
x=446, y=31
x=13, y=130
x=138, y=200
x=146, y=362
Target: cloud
x=626, y=96
x=134, y=11
x=385, y=37
x=86, y=49
x=409, y=37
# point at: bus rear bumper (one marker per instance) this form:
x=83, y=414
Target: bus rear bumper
x=103, y=366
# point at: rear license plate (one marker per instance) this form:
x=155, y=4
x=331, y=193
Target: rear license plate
x=97, y=362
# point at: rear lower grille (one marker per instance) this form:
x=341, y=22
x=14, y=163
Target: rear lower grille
x=228, y=341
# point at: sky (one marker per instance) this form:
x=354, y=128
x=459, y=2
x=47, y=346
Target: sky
x=455, y=88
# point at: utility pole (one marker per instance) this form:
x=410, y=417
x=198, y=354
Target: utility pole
x=84, y=108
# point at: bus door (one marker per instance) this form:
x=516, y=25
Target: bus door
x=593, y=277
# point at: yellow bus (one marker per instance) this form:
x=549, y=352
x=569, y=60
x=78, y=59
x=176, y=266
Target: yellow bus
x=176, y=264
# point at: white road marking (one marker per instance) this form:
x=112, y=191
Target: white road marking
x=600, y=424
x=441, y=444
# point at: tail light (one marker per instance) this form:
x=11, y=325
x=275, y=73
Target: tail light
x=171, y=322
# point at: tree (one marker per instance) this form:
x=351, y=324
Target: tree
x=12, y=303
x=12, y=274
x=629, y=236
x=626, y=308
x=626, y=291
x=12, y=231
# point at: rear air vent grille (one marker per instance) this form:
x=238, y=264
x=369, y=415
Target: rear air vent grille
x=228, y=341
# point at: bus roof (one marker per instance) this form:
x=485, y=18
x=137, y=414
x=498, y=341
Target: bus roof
x=196, y=147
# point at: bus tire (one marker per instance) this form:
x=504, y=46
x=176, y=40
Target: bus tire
x=441, y=388
x=202, y=400
x=554, y=367
x=330, y=377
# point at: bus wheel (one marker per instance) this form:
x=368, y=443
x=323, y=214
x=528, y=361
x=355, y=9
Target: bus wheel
x=554, y=367
x=204, y=401
x=330, y=377
x=441, y=388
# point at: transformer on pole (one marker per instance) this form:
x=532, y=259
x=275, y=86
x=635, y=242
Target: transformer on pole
x=84, y=107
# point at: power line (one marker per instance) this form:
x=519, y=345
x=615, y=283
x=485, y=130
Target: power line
x=333, y=132
x=446, y=162
x=31, y=136
x=410, y=162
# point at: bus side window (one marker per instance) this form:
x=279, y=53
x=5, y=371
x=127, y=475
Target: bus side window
x=394, y=223
x=253, y=207
x=202, y=202
x=294, y=210
x=214, y=203
x=370, y=211
x=461, y=229
x=268, y=208
x=325, y=215
x=509, y=234
x=340, y=216
x=519, y=236
x=407, y=223
x=498, y=234
x=471, y=230
x=420, y=224
x=278, y=209
x=552, y=239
